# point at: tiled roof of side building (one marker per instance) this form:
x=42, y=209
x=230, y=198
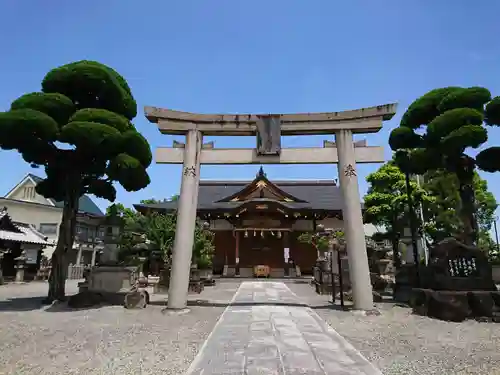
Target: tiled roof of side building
x=85, y=204
x=35, y=178
x=19, y=232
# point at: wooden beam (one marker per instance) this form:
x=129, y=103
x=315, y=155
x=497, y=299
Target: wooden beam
x=313, y=155
x=364, y=120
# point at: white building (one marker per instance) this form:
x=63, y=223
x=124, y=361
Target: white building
x=26, y=206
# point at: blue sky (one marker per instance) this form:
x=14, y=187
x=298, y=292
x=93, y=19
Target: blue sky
x=265, y=56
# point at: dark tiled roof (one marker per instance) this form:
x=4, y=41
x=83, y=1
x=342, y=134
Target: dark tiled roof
x=85, y=204
x=35, y=178
x=319, y=194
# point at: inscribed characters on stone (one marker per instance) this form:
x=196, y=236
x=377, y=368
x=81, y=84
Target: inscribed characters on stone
x=349, y=171
x=190, y=171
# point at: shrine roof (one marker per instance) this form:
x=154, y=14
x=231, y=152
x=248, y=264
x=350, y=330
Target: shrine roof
x=322, y=195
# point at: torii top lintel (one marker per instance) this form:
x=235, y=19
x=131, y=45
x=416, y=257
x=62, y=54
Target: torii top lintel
x=364, y=120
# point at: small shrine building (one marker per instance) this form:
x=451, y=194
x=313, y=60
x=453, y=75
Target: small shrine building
x=258, y=222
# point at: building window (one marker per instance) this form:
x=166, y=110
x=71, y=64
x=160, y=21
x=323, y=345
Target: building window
x=48, y=228
x=83, y=232
x=29, y=192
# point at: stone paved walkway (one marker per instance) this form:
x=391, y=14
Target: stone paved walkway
x=266, y=330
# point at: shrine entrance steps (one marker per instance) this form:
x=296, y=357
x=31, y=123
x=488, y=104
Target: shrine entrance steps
x=267, y=329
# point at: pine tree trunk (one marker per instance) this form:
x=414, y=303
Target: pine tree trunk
x=395, y=235
x=467, y=211
x=59, y=270
x=395, y=251
x=465, y=177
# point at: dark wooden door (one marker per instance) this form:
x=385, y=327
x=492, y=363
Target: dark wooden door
x=257, y=250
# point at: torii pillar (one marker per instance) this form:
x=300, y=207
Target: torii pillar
x=186, y=221
x=353, y=222
x=344, y=151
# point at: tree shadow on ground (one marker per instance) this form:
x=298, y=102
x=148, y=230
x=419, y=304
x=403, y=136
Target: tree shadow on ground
x=22, y=304
x=318, y=305
x=63, y=307
x=206, y=303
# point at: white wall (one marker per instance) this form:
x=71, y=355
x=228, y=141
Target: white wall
x=30, y=195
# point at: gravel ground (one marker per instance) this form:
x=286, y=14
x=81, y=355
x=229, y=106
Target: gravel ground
x=113, y=340
x=399, y=342
x=103, y=340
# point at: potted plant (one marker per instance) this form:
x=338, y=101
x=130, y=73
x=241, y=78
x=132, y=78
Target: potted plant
x=203, y=250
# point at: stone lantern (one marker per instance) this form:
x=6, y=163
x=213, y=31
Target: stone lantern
x=142, y=251
x=113, y=225
x=20, y=266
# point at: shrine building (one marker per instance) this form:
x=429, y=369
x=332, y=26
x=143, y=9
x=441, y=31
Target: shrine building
x=258, y=222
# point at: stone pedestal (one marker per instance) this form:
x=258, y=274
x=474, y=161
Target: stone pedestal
x=19, y=274
x=246, y=272
x=229, y=271
x=154, y=283
x=277, y=273
x=111, y=282
x=205, y=274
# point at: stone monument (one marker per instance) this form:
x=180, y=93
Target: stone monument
x=457, y=284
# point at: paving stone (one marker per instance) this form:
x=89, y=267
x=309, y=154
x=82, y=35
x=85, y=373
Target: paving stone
x=273, y=334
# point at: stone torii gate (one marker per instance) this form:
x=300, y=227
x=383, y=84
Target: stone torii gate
x=269, y=129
